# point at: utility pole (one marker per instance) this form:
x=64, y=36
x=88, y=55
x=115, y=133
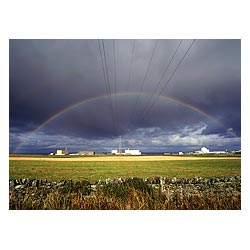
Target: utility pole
x=120, y=145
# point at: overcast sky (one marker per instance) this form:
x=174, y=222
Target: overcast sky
x=123, y=94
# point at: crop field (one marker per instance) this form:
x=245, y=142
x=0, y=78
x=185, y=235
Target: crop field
x=71, y=183
x=99, y=168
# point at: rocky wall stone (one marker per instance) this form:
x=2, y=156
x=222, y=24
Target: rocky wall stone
x=172, y=187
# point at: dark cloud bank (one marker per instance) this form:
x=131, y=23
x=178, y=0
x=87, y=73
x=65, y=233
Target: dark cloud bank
x=47, y=76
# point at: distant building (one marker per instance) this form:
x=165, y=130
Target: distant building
x=62, y=152
x=100, y=154
x=205, y=150
x=127, y=151
x=237, y=151
x=86, y=153
x=180, y=153
x=217, y=152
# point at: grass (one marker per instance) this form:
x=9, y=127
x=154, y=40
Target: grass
x=94, y=171
x=132, y=194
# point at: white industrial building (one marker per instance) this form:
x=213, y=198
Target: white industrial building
x=205, y=150
x=62, y=152
x=125, y=151
x=86, y=153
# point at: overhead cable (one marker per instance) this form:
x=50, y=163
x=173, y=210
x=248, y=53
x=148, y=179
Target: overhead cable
x=130, y=68
x=176, y=68
x=162, y=76
x=145, y=76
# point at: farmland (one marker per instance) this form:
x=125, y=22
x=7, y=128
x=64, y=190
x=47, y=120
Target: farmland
x=96, y=168
x=146, y=182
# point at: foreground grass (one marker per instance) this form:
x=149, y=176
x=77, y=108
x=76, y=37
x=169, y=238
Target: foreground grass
x=135, y=200
x=94, y=171
x=132, y=194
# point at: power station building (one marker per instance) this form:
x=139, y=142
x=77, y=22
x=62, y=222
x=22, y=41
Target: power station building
x=205, y=150
x=62, y=152
x=86, y=153
x=125, y=151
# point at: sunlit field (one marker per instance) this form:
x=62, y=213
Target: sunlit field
x=93, y=168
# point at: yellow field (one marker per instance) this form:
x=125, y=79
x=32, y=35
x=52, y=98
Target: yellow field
x=121, y=158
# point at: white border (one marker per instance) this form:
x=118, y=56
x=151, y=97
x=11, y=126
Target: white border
x=123, y=229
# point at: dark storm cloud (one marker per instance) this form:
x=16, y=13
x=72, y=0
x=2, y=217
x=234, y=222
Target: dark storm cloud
x=50, y=74
x=46, y=76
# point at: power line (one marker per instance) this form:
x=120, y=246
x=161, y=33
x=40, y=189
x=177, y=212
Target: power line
x=109, y=89
x=106, y=68
x=176, y=68
x=106, y=79
x=145, y=76
x=132, y=58
x=103, y=69
x=115, y=75
x=162, y=76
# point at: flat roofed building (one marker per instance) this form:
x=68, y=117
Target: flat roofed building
x=86, y=153
x=123, y=151
x=62, y=152
x=205, y=150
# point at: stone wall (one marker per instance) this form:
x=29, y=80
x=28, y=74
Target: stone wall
x=172, y=187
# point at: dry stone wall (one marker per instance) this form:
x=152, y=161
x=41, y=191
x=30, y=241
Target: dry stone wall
x=171, y=187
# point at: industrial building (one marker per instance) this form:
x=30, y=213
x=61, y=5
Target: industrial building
x=205, y=150
x=86, y=153
x=62, y=152
x=125, y=151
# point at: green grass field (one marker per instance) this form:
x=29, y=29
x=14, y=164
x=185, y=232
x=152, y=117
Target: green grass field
x=94, y=171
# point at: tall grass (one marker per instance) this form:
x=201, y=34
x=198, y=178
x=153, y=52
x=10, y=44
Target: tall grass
x=131, y=195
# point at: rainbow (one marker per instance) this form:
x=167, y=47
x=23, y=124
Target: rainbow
x=93, y=99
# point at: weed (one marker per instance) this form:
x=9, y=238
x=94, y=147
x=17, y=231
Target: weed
x=130, y=194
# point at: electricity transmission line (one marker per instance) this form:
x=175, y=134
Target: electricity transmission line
x=162, y=76
x=173, y=72
x=130, y=68
x=145, y=76
x=106, y=80
x=115, y=77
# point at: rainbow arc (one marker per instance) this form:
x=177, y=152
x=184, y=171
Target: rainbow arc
x=96, y=98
